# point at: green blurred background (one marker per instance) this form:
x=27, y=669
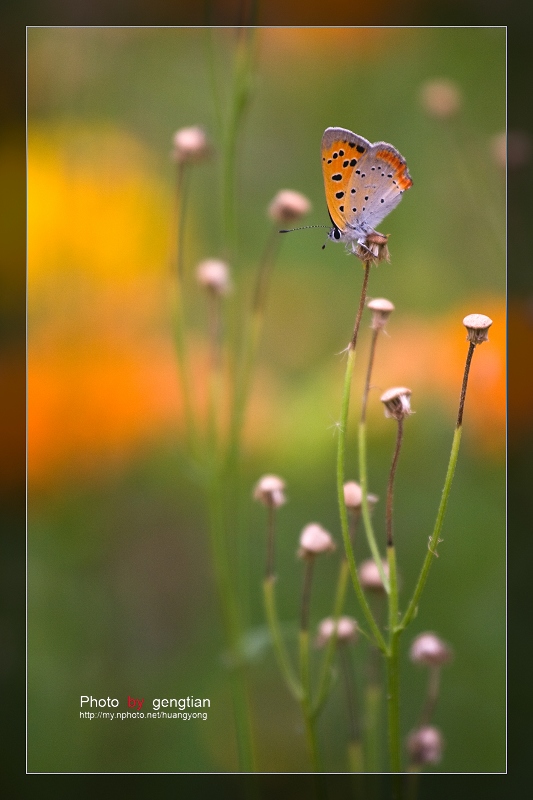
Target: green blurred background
x=121, y=598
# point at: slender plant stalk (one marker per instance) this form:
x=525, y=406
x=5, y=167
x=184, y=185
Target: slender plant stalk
x=393, y=667
x=369, y=529
x=305, y=678
x=230, y=615
x=180, y=342
x=271, y=538
x=363, y=477
x=252, y=337
x=341, y=448
x=325, y=675
x=390, y=488
x=373, y=696
x=277, y=639
x=434, y=539
x=223, y=482
x=305, y=700
x=239, y=102
x=355, y=750
x=432, y=695
x=215, y=371
x=210, y=50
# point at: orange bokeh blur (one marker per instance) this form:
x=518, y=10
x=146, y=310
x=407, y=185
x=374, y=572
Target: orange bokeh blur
x=429, y=356
x=103, y=382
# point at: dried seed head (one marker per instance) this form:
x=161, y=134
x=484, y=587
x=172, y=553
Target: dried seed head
x=428, y=650
x=288, y=206
x=270, y=491
x=381, y=310
x=346, y=630
x=315, y=539
x=425, y=745
x=477, y=326
x=374, y=248
x=397, y=402
x=213, y=275
x=190, y=144
x=441, y=98
x=353, y=496
x=369, y=576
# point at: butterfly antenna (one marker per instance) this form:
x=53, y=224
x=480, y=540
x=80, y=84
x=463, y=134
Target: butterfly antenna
x=305, y=227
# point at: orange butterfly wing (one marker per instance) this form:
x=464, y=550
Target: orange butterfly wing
x=341, y=150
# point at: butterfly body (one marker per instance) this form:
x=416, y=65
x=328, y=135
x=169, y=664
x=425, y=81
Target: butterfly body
x=363, y=183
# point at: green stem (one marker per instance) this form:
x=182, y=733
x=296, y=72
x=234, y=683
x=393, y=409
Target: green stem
x=230, y=616
x=252, y=337
x=325, y=675
x=369, y=529
x=434, y=540
x=393, y=706
x=390, y=489
x=372, y=716
x=209, y=34
x=393, y=667
x=277, y=640
x=355, y=751
x=341, y=448
x=432, y=695
x=215, y=371
x=306, y=700
x=240, y=97
x=180, y=343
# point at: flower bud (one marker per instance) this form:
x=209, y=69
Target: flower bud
x=441, y=98
x=477, y=327
x=353, y=495
x=213, y=275
x=346, y=630
x=269, y=491
x=397, y=402
x=369, y=576
x=381, y=310
x=427, y=649
x=314, y=540
x=288, y=206
x=190, y=144
x=425, y=745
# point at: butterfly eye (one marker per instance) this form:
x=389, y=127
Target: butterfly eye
x=337, y=233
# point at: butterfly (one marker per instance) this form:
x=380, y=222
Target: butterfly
x=363, y=183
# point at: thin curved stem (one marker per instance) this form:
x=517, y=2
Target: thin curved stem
x=355, y=752
x=277, y=639
x=325, y=675
x=369, y=529
x=393, y=668
x=180, y=342
x=306, y=700
x=341, y=448
x=452, y=463
x=434, y=539
x=390, y=486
